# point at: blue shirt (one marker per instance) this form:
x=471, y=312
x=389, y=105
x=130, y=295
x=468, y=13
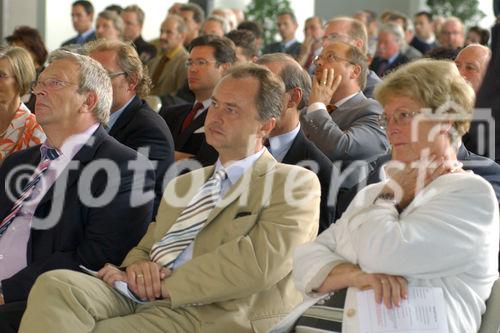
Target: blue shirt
x=115, y=115
x=280, y=144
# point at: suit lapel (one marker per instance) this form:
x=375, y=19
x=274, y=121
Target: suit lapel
x=253, y=175
x=297, y=151
x=126, y=116
x=355, y=100
x=197, y=123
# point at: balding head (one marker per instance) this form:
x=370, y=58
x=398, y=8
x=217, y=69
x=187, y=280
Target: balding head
x=347, y=29
x=472, y=63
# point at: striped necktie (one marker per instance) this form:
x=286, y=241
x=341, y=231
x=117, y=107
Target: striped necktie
x=189, y=223
x=50, y=154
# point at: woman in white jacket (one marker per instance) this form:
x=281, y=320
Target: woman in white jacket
x=429, y=223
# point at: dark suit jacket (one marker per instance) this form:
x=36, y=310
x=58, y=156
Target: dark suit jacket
x=480, y=165
x=400, y=60
x=303, y=150
x=488, y=96
x=73, y=40
x=145, y=50
x=422, y=46
x=81, y=234
x=292, y=50
x=139, y=126
x=192, y=140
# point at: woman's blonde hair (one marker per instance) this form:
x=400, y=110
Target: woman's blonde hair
x=22, y=66
x=436, y=85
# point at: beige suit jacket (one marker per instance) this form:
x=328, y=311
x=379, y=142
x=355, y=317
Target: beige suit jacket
x=173, y=76
x=239, y=279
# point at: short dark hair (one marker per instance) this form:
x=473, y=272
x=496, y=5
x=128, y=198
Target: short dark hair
x=32, y=40
x=87, y=6
x=115, y=8
x=223, y=47
x=251, y=26
x=244, y=39
x=426, y=14
x=289, y=13
x=484, y=34
x=370, y=16
x=198, y=12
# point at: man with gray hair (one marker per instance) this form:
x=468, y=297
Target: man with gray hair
x=287, y=142
x=391, y=40
x=215, y=25
x=219, y=256
x=74, y=200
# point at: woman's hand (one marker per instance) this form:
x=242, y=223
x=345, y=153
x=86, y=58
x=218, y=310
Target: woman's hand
x=390, y=289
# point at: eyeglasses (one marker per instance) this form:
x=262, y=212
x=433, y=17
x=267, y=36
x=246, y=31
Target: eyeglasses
x=199, y=62
x=331, y=57
x=399, y=118
x=113, y=75
x=49, y=84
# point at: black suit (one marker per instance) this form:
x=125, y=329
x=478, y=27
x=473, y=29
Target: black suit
x=480, y=165
x=488, y=96
x=292, y=50
x=145, y=50
x=377, y=61
x=74, y=40
x=81, y=235
x=140, y=126
x=303, y=150
x=192, y=140
x=422, y=46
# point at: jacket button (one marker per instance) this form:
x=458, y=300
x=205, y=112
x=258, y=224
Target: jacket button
x=351, y=312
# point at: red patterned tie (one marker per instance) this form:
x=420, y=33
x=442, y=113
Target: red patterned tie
x=189, y=118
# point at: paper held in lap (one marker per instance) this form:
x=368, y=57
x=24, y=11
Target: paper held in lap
x=120, y=286
x=423, y=311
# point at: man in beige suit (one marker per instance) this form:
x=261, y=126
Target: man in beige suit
x=235, y=276
x=168, y=69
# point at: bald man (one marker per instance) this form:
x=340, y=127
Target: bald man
x=472, y=63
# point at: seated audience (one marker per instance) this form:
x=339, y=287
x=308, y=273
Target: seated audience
x=232, y=271
x=193, y=16
x=369, y=20
x=287, y=26
x=245, y=45
x=477, y=35
x=209, y=58
x=82, y=16
x=214, y=25
x=109, y=25
x=256, y=29
x=472, y=62
x=132, y=121
x=428, y=207
x=452, y=33
x=18, y=126
x=406, y=24
x=389, y=49
x=340, y=120
x=287, y=142
x=228, y=15
x=313, y=43
x=80, y=198
x=425, y=38
x=30, y=40
x=167, y=69
x=133, y=19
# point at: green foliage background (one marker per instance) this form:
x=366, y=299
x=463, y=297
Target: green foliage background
x=466, y=10
x=265, y=13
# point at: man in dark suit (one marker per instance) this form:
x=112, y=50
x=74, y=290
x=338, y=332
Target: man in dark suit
x=340, y=120
x=82, y=15
x=391, y=40
x=424, y=39
x=287, y=143
x=89, y=199
x=353, y=32
x=132, y=121
x=133, y=19
x=287, y=26
x=209, y=58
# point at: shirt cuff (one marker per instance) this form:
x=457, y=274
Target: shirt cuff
x=315, y=107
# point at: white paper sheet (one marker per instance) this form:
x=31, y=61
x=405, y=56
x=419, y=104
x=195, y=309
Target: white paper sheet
x=423, y=312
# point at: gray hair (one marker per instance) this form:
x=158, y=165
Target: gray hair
x=221, y=20
x=93, y=77
x=292, y=74
x=181, y=24
x=395, y=30
x=357, y=30
x=138, y=12
x=115, y=18
x=270, y=96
